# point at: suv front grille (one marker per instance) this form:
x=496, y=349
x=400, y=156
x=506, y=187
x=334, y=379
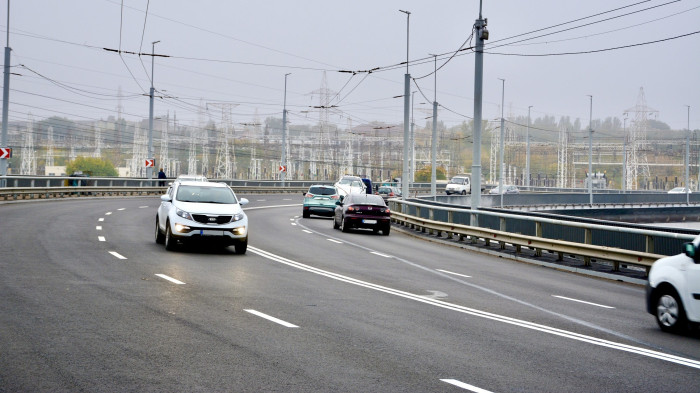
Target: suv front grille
x=209, y=219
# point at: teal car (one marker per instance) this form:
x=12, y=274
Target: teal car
x=320, y=200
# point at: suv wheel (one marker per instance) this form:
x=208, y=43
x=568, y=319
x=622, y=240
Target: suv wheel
x=241, y=247
x=464, y=192
x=170, y=242
x=669, y=312
x=344, y=225
x=160, y=238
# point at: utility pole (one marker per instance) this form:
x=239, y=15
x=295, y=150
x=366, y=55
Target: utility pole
x=406, y=105
x=433, y=153
x=5, y=98
x=590, y=154
x=624, y=157
x=413, y=139
x=283, y=172
x=482, y=34
x=687, y=161
x=502, y=147
x=151, y=154
x=527, y=150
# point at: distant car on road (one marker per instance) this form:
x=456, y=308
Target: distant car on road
x=460, y=184
x=673, y=289
x=362, y=211
x=320, y=200
x=679, y=190
x=203, y=211
x=387, y=192
x=349, y=185
x=509, y=189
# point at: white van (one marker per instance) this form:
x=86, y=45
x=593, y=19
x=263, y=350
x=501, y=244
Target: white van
x=460, y=184
x=673, y=289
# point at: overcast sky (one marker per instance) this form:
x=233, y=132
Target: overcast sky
x=237, y=52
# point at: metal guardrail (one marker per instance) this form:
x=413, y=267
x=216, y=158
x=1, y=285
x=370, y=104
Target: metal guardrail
x=24, y=193
x=582, y=246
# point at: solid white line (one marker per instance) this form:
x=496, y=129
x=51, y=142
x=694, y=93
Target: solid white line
x=100, y=219
x=271, y=206
x=98, y=228
x=118, y=255
x=307, y=231
x=273, y=319
x=465, y=386
x=581, y=301
x=381, y=255
x=163, y=276
x=335, y=241
x=453, y=273
x=101, y=238
x=483, y=314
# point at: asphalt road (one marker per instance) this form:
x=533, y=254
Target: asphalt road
x=89, y=302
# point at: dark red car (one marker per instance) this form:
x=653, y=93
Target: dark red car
x=362, y=211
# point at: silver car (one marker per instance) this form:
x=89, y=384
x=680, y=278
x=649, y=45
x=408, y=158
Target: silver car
x=201, y=211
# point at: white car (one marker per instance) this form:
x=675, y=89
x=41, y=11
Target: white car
x=350, y=185
x=673, y=289
x=201, y=211
x=509, y=189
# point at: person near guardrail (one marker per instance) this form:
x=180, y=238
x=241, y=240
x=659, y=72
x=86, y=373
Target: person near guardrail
x=161, y=175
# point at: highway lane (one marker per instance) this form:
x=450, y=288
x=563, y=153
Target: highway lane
x=75, y=316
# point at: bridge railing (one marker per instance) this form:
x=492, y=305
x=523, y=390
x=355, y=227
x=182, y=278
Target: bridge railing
x=587, y=241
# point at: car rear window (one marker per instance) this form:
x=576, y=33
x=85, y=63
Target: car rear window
x=322, y=190
x=367, y=199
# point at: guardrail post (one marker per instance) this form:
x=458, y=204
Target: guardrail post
x=588, y=239
x=431, y=216
x=450, y=220
x=474, y=219
x=649, y=244
x=502, y=227
x=538, y=233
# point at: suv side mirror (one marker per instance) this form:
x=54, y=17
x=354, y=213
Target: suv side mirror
x=690, y=251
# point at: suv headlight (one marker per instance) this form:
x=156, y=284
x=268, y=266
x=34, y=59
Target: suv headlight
x=237, y=217
x=183, y=214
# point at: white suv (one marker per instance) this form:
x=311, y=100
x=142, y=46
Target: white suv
x=197, y=210
x=673, y=289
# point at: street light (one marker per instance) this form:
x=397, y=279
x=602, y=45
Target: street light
x=149, y=170
x=687, y=161
x=590, y=155
x=283, y=171
x=527, y=150
x=406, y=104
x=500, y=174
x=433, y=147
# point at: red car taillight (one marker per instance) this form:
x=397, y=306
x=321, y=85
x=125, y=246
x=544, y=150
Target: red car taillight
x=309, y=195
x=391, y=194
x=352, y=208
x=335, y=197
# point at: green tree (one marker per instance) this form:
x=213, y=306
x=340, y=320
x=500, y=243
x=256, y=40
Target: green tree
x=91, y=166
x=423, y=174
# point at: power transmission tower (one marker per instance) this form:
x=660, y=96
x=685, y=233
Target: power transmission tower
x=139, y=152
x=28, y=164
x=637, y=136
x=164, y=159
x=49, y=148
x=563, y=158
x=224, y=165
x=192, y=159
x=98, y=142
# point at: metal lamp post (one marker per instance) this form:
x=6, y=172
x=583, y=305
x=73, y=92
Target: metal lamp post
x=500, y=170
x=283, y=173
x=590, y=154
x=149, y=170
x=527, y=150
x=406, y=106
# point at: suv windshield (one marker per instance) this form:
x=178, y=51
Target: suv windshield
x=205, y=194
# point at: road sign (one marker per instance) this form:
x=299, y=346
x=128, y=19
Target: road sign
x=150, y=162
x=283, y=168
x=5, y=152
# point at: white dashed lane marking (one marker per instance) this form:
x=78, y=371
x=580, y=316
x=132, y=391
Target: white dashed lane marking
x=101, y=238
x=581, y=301
x=453, y=273
x=118, y=255
x=273, y=319
x=175, y=281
